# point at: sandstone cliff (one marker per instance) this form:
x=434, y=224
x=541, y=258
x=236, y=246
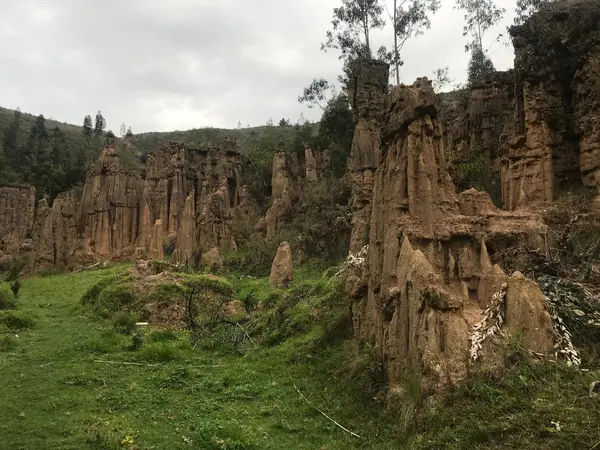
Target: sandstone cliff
x=555, y=140
x=191, y=194
x=427, y=277
x=17, y=209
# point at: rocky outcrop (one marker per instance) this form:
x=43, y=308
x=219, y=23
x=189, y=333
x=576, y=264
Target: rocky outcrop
x=554, y=146
x=57, y=239
x=282, y=270
x=427, y=276
x=111, y=206
x=155, y=247
x=17, y=209
x=477, y=123
x=185, y=249
x=191, y=194
x=282, y=191
x=366, y=95
x=310, y=164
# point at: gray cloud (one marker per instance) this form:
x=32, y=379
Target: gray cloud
x=176, y=64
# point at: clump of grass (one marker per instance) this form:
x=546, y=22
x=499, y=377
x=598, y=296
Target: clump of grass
x=7, y=297
x=124, y=322
x=166, y=335
x=8, y=342
x=16, y=320
x=216, y=437
x=159, y=352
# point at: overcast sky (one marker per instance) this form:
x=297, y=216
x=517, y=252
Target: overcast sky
x=161, y=65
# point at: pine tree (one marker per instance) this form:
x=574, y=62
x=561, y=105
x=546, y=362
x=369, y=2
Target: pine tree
x=100, y=124
x=87, y=126
x=11, y=145
x=122, y=130
x=129, y=133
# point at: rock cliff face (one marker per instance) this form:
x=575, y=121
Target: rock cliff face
x=181, y=195
x=427, y=276
x=110, y=206
x=477, y=124
x=283, y=191
x=555, y=144
x=17, y=209
x=367, y=96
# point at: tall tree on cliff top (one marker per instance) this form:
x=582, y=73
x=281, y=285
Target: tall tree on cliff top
x=480, y=16
x=100, y=124
x=87, y=126
x=351, y=28
x=409, y=18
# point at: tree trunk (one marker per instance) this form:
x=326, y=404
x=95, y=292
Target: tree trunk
x=396, y=55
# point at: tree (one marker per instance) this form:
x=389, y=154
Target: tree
x=315, y=93
x=100, y=124
x=336, y=131
x=284, y=122
x=123, y=129
x=409, y=18
x=526, y=8
x=129, y=133
x=351, y=28
x=480, y=16
x=110, y=134
x=270, y=122
x=11, y=144
x=87, y=125
x=441, y=78
x=480, y=65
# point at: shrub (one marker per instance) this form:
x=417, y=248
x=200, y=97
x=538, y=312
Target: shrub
x=159, y=352
x=16, y=320
x=7, y=342
x=116, y=297
x=7, y=298
x=124, y=321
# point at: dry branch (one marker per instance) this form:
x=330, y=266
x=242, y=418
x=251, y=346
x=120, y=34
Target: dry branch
x=324, y=415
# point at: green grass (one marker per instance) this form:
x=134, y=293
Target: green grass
x=58, y=394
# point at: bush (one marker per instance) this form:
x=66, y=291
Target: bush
x=159, y=352
x=124, y=322
x=16, y=320
x=7, y=342
x=116, y=297
x=7, y=298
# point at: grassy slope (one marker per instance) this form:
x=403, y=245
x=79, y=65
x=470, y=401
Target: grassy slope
x=54, y=394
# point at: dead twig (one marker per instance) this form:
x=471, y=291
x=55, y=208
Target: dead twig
x=93, y=266
x=324, y=415
x=125, y=363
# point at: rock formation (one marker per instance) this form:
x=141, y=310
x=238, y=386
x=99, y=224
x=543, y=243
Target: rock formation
x=111, y=206
x=367, y=96
x=282, y=191
x=427, y=276
x=282, y=270
x=155, y=247
x=477, y=123
x=555, y=141
x=192, y=193
x=310, y=164
x=185, y=248
x=17, y=209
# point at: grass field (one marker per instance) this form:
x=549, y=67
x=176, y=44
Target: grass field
x=64, y=386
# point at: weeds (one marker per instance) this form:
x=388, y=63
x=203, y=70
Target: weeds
x=7, y=297
x=16, y=320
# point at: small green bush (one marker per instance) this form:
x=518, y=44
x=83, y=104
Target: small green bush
x=116, y=297
x=93, y=293
x=16, y=320
x=7, y=342
x=124, y=321
x=159, y=352
x=7, y=298
x=166, y=335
